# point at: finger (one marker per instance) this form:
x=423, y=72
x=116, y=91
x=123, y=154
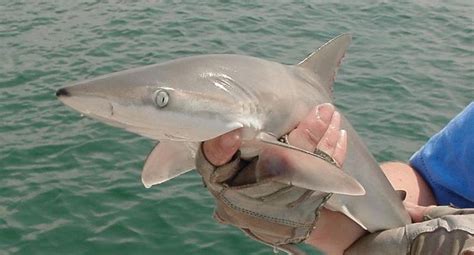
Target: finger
x=220, y=150
x=312, y=127
x=317, y=122
x=299, y=138
x=339, y=154
x=331, y=136
x=415, y=211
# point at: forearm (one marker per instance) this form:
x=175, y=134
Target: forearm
x=403, y=177
x=334, y=232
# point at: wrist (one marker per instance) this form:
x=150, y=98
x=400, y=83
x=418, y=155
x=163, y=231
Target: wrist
x=334, y=232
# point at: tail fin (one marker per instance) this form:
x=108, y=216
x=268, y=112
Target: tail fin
x=326, y=60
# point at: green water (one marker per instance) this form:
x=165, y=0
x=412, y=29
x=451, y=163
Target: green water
x=71, y=185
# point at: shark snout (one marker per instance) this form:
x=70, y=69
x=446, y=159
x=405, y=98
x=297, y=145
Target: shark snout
x=89, y=105
x=62, y=92
x=115, y=105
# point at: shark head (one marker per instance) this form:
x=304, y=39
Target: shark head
x=169, y=101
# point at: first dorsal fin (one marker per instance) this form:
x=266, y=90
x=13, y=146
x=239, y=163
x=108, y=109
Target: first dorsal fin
x=326, y=60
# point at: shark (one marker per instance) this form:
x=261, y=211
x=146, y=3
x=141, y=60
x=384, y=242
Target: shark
x=183, y=102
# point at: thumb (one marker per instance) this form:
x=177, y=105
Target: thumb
x=220, y=150
x=416, y=212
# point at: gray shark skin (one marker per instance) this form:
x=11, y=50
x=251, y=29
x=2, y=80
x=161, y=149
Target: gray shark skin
x=189, y=100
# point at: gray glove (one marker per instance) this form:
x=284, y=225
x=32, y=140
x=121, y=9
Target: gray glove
x=270, y=212
x=446, y=231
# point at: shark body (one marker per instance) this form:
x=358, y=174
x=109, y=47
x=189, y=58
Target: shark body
x=186, y=101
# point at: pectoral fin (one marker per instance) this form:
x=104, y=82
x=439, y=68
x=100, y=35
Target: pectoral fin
x=304, y=169
x=167, y=160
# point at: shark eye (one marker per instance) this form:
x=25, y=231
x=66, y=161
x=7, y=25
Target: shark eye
x=161, y=98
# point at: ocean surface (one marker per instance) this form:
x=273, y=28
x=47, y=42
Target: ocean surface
x=71, y=185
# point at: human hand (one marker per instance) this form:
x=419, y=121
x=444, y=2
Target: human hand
x=438, y=230
x=319, y=130
x=417, y=212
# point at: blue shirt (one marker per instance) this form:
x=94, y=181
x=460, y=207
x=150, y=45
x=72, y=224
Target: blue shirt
x=446, y=161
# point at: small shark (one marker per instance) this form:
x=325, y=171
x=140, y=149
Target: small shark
x=184, y=102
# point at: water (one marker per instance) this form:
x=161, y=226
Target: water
x=71, y=185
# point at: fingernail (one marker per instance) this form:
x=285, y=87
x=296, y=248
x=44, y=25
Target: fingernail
x=325, y=112
x=334, y=118
x=343, y=133
x=328, y=105
x=229, y=141
x=318, y=116
x=342, y=136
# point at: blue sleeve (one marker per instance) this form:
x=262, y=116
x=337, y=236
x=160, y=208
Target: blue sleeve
x=446, y=161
